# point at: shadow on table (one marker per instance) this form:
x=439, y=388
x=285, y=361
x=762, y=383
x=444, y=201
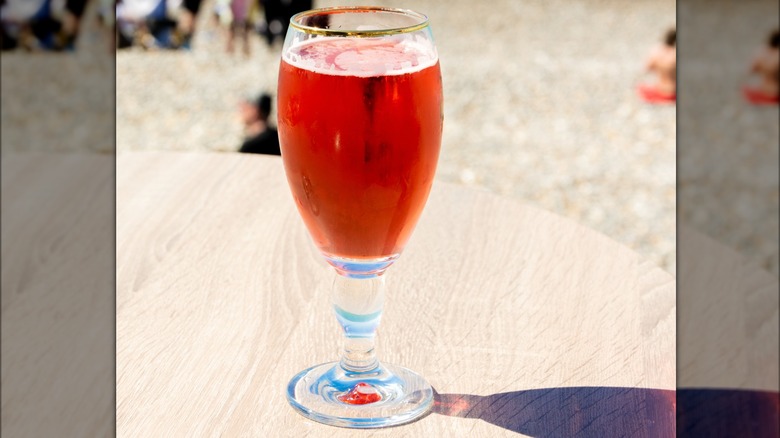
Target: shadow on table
x=718, y=412
x=571, y=411
x=615, y=411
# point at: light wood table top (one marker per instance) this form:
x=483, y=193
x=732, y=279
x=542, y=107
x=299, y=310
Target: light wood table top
x=728, y=318
x=57, y=295
x=523, y=321
x=727, y=341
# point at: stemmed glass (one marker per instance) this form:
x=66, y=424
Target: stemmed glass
x=360, y=122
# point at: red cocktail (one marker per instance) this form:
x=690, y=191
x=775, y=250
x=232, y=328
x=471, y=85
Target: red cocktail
x=360, y=124
x=360, y=121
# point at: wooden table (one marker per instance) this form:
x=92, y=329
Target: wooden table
x=522, y=321
x=727, y=341
x=728, y=318
x=57, y=295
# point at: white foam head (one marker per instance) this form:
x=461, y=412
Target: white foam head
x=363, y=57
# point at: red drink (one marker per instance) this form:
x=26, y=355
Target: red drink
x=360, y=124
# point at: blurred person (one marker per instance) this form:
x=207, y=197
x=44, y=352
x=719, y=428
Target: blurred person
x=186, y=23
x=7, y=41
x=663, y=63
x=11, y=21
x=147, y=23
x=277, y=17
x=765, y=68
x=131, y=21
x=42, y=24
x=260, y=137
x=221, y=13
x=162, y=26
x=29, y=24
x=239, y=26
x=106, y=18
x=71, y=23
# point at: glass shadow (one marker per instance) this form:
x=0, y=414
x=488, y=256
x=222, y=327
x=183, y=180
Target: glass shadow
x=717, y=412
x=570, y=411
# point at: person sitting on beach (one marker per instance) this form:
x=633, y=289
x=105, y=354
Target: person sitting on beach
x=663, y=63
x=766, y=65
x=260, y=138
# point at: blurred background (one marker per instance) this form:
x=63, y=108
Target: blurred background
x=728, y=145
x=541, y=101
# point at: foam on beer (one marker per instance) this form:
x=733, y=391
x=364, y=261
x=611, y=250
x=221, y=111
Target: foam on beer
x=363, y=57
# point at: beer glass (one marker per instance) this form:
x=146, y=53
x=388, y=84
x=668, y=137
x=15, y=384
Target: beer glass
x=360, y=124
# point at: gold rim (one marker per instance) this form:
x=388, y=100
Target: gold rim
x=357, y=33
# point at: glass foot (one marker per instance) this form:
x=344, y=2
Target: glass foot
x=385, y=396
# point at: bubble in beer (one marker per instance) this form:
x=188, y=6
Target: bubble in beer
x=308, y=190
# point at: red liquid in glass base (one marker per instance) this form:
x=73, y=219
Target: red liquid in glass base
x=361, y=394
x=360, y=141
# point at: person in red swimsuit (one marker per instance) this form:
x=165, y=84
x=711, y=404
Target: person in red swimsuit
x=663, y=63
x=765, y=66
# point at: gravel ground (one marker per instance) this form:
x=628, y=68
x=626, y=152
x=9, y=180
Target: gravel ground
x=60, y=102
x=728, y=151
x=539, y=106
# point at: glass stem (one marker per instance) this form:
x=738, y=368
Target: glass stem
x=358, y=304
